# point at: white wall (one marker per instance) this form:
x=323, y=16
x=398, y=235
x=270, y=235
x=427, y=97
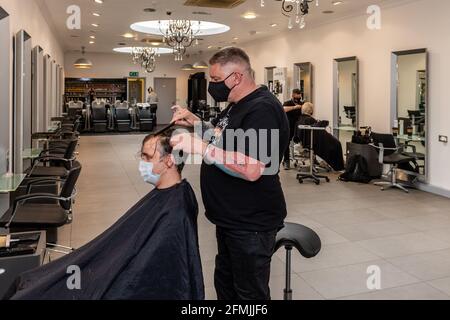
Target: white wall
x=119, y=65
x=419, y=24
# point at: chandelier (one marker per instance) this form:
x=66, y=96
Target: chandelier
x=146, y=57
x=301, y=8
x=179, y=35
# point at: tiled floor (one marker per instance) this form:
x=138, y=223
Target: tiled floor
x=406, y=235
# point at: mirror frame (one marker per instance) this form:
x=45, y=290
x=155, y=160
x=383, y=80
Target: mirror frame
x=336, y=92
x=394, y=100
x=311, y=75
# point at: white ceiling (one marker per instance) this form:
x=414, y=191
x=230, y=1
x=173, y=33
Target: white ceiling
x=117, y=16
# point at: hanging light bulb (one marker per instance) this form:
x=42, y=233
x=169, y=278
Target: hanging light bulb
x=302, y=23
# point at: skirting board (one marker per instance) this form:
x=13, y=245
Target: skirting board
x=434, y=190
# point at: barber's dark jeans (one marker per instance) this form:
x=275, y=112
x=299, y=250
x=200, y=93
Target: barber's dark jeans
x=287, y=152
x=243, y=264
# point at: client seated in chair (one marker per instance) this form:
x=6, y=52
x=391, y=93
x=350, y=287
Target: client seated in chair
x=151, y=253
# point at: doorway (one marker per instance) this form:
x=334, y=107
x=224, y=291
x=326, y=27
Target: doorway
x=166, y=89
x=136, y=90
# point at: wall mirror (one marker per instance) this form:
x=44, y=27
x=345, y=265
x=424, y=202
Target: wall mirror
x=346, y=98
x=22, y=98
x=5, y=107
x=268, y=77
x=38, y=90
x=409, y=106
x=303, y=80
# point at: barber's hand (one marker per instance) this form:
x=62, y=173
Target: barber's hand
x=189, y=143
x=183, y=117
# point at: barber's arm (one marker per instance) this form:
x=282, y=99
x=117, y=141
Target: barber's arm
x=235, y=164
x=289, y=109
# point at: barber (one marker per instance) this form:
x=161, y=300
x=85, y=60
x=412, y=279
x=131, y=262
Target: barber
x=246, y=203
x=293, y=109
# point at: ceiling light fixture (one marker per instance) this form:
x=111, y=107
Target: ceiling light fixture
x=187, y=67
x=301, y=10
x=200, y=65
x=82, y=63
x=92, y=37
x=98, y=1
x=94, y=25
x=249, y=15
x=128, y=35
x=179, y=34
x=96, y=14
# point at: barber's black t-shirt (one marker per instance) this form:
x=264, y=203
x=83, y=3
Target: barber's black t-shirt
x=234, y=203
x=293, y=115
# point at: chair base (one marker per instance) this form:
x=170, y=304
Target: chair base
x=388, y=185
x=301, y=177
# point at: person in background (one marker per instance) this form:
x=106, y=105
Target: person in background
x=293, y=109
x=152, y=98
x=306, y=118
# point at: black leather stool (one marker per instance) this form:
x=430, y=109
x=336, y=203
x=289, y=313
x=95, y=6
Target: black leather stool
x=302, y=238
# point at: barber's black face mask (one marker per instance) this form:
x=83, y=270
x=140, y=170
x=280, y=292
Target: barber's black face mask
x=219, y=90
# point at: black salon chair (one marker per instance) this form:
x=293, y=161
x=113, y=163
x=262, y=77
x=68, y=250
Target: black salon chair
x=145, y=120
x=99, y=119
x=302, y=238
x=390, y=154
x=350, y=113
x=26, y=215
x=123, y=120
x=60, y=163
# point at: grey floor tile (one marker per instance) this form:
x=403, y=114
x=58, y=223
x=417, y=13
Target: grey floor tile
x=352, y=279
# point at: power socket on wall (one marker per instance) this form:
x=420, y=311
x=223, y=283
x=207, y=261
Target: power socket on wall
x=443, y=139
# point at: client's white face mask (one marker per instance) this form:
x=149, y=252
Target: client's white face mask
x=146, y=170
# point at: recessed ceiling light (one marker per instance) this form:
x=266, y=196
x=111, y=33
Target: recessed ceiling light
x=128, y=35
x=92, y=37
x=210, y=47
x=235, y=38
x=94, y=25
x=96, y=14
x=249, y=15
x=98, y=1
x=273, y=24
x=336, y=3
x=91, y=42
x=155, y=43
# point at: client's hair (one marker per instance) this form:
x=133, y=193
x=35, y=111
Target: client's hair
x=308, y=108
x=166, y=149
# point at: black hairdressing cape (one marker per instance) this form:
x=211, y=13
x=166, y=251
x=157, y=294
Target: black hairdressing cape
x=151, y=253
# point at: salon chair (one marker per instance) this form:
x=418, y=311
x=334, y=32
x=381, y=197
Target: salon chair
x=390, y=154
x=99, y=117
x=123, y=120
x=26, y=215
x=59, y=162
x=296, y=236
x=145, y=120
x=350, y=113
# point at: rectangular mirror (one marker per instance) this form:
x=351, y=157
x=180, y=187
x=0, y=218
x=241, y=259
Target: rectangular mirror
x=409, y=105
x=22, y=98
x=346, y=97
x=38, y=90
x=268, y=78
x=47, y=92
x=303, y=80
x=5, y=106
